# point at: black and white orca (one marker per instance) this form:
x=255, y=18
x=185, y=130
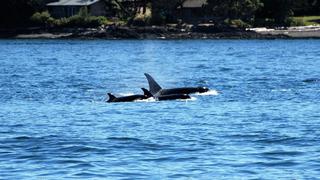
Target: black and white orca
x=130, y=98
x=167, y=97
x=157, y=91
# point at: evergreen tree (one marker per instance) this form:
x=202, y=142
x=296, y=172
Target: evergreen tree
x=279, y=10
x=233, y=9
x=164, y=10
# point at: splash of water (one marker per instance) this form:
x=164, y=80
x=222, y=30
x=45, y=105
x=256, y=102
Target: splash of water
x=191, y=99
x=151, y=99
x=126, y=94
x=209, y=93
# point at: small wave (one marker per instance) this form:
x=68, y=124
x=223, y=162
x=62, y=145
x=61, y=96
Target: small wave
x=69, y=161
x=179, y=176
x=281, y=163
x=283, y=153
x=80, y=148
x=160, y=159
x=77, y=165
x=22, y=138
x=127, y=175
x=201, y=66
x=281, y=90
x=209, y=93
x=87, y=174
x=163, y=159
x=123, y=139
x=311, y=80
x=30, y=157
x=277, y=140
x=223, y=69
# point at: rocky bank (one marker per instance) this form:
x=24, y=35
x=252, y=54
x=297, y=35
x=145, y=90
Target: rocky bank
x=170, y=31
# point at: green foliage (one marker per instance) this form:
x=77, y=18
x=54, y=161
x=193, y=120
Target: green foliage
x=62, y=22
x=233, y=9
x=279, y=11
x=83, y=12
x=306, y=7
x=263, y=22
x=158, y=17
x=42, y=18
x=163, y=10
x=290, y=21
x=142, y=19
x=237, y=23
x=126, y=9
x=82, y=19
x=309, y=20
x=22, y=13
x=294, y=22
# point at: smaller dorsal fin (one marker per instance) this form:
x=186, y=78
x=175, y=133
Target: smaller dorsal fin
x=111, y=97
x=146, y=92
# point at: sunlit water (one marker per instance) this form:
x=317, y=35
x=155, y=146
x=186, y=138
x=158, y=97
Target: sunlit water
x=260, y=121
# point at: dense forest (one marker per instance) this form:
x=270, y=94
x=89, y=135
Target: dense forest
x=18, y=13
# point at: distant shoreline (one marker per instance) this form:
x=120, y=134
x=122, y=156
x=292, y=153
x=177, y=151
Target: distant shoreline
x=204, y=31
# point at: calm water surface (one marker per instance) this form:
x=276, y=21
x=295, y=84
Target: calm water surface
x=263, y=122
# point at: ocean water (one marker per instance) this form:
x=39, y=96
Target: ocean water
x=261, y=119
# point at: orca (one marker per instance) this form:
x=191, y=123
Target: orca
x=173, y=97
x=156, y=90
x=167, y=97
x=131, y=98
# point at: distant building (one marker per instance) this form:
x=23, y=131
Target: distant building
x=192, y=10
x=67, y=8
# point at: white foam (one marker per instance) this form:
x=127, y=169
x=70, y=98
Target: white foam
x=280, y=90
x=126, y=94
x=151, y=99
x=208, y=93
x=192, y=99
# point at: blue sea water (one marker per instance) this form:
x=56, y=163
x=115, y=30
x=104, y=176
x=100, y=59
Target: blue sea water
x=262, y=120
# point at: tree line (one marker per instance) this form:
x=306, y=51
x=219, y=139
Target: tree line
x=17, y=13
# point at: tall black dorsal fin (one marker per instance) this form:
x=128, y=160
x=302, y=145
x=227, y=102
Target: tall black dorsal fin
x=146, y=92
x=111, y=97
x=154, y=87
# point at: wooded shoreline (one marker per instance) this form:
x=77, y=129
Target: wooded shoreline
x=204, y=31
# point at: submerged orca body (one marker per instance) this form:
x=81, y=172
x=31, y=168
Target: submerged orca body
x=167, y=97
x=131, y=98
x=173, y=97
x=186, y=90
x=156, y=90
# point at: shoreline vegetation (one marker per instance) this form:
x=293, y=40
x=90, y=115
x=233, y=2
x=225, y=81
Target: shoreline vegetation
x=158, y=19
x=171, y=31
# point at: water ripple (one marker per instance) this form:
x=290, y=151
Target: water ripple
x=260, y=121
